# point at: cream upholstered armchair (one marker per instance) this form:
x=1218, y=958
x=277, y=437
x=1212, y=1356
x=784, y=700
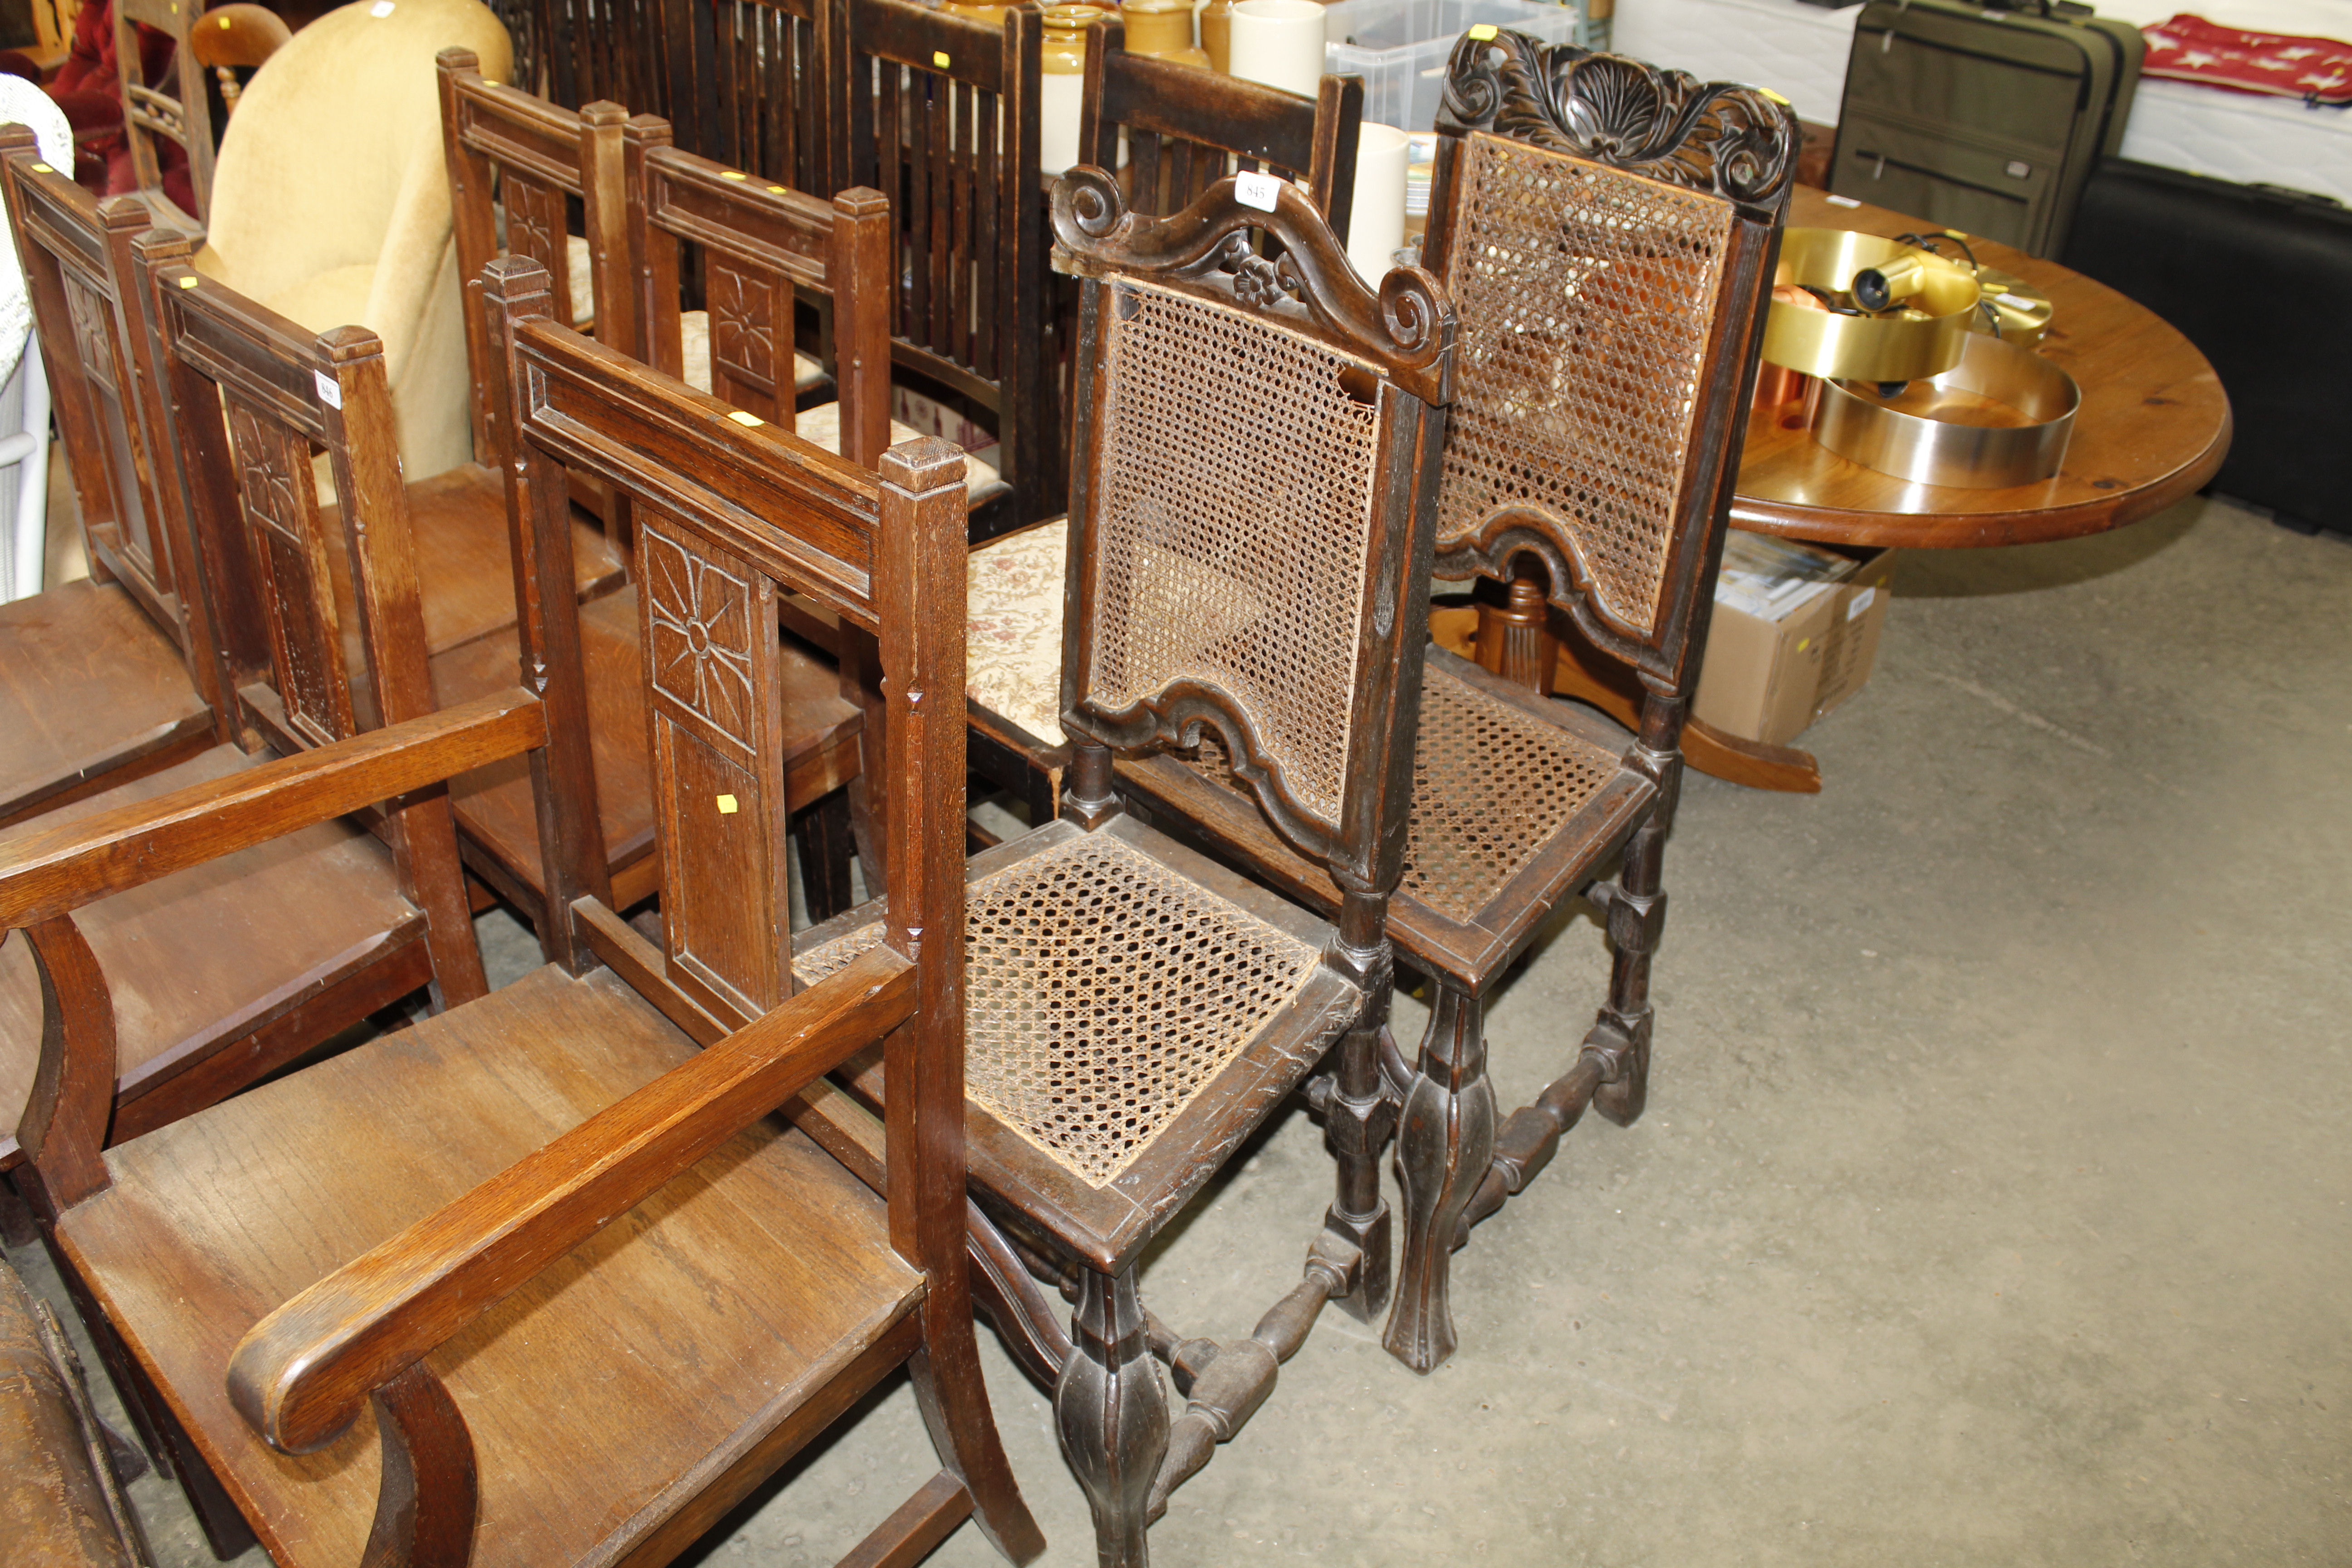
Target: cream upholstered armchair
x=330, y=200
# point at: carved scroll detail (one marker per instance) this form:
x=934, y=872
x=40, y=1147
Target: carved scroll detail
x=1733, y=141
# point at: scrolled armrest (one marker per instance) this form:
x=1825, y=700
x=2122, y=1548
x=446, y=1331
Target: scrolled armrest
x=303, y=1374
x=49, y=870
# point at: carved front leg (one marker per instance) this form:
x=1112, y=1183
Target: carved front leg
x=1446, y=1142
x=1635, y=909
x=1112, y=1413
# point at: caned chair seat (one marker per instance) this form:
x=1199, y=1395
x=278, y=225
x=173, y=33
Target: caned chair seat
x=1130, y=1004
x=217, y=952
x=494, y=803
x=1013, y=629
x=757, y=1277
x=1515, y=797
x=88, y=684
x=463, y=576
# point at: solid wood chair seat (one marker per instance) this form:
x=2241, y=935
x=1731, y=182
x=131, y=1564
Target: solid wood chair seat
x=464, y=571
x=216, y=953
x=1131, y=1003
x=494, y=804
x=764, y=1274
x=88, y=686
x=1518, y=801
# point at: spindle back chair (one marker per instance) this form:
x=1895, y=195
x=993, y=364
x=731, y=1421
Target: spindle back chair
x=184, y=119
x=939, y=112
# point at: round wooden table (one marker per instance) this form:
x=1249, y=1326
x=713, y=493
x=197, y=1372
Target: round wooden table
x=2153, y=426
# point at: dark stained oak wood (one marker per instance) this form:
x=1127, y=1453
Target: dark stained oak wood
x=2154, y=427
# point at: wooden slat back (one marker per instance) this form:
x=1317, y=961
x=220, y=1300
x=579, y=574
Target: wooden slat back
x=1187, y=129
x=76, y=254
x=731, y=511
x=743, y=81
x=1250, y=507
x=1607, y=229
x=939, y=113
x=516, y=157
x=758, y=245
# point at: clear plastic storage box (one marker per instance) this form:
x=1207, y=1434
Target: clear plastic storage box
x=1400, y=47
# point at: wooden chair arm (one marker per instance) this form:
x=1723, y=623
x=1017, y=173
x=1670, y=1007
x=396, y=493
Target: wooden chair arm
x=302, y=1375
x=52, y=869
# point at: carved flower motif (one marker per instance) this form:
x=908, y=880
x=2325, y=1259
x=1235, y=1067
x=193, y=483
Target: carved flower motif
x=261, y=460
x=742, y=325
x=701, y=635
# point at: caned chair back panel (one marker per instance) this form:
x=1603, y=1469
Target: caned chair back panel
x=724, y=529
x=249, y=400
x=76, y=254
x=1605, y=229
x=516, y=157
x=1186, y=128
x=184, y=116
x=1243, y=501
x=758, y=242
x=741, y=80
x=939, y=112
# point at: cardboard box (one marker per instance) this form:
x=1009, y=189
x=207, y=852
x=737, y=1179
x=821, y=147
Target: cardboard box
x=1795, y=633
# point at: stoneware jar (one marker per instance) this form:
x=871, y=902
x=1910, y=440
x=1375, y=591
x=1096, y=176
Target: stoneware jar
x=1161, y=28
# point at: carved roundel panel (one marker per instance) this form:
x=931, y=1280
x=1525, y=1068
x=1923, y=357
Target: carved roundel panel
x=699, y=615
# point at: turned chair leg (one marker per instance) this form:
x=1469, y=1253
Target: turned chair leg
x=1515, y=638
x=1112, y=1413
x=1445, y=1141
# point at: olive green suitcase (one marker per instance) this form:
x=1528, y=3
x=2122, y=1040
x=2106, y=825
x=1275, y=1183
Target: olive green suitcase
x=1983, y=120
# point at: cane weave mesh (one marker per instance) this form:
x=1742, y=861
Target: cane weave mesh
x=1232, y=523
x=1491, y=786
x=1585, y=295
x=1105, y=991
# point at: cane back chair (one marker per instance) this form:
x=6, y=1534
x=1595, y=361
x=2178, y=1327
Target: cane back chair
x=1250, y=527
x=1185, y=129
x=1607, y=230
x=422, y=1225
x=939, y=113
x=112, y=675
x=223, y=972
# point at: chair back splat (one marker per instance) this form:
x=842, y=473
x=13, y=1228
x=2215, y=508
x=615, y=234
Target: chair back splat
x=1607, y=229
x=1184, y=126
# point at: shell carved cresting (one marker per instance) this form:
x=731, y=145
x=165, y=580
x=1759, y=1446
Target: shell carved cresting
x=1732, y=141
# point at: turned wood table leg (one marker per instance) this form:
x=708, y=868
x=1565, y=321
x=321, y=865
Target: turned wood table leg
x=1112, y=1413
x=1446, y=1142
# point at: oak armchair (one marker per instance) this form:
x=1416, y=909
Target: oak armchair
x=467, y=1229
x=1607, y=231
x=1250, y=531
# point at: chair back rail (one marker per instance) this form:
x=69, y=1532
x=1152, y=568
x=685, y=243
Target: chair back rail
x=939, y=112
x=76, y=255
x=758, y=245
x=1319, y=407
x=1187, y=129
x=517, y=156
x=1608, y=230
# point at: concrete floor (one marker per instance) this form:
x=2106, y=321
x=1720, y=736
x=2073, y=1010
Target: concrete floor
x=1992, y=1206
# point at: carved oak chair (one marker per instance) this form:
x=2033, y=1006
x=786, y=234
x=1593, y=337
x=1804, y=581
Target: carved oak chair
x=1607, y=230
x=1250, y=527
x=223, y=969
x=1185, y=129
x=111, y=677
x=185, y=119
x=939, y=113
x=591, y=1293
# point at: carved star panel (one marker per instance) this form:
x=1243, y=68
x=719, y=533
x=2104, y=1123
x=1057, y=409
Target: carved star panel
x=699, y=621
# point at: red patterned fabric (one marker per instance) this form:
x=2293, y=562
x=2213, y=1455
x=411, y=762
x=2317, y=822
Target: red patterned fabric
x=2190, y=48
